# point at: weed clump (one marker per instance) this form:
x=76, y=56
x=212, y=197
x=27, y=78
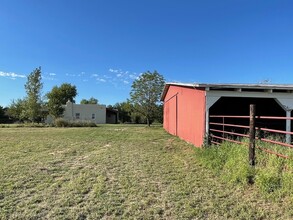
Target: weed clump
x=228, y=160
x=272, y=175
x=65, y=123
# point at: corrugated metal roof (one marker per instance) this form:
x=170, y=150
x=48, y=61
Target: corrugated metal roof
x=232, y=86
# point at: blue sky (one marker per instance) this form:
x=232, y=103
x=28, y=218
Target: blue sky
x=101, y=46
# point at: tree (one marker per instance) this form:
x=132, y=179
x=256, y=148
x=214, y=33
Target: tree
x=16, y=110
x=124, y=109
x=3, y=115
x=159, y=113
x=2, y=112
x=145, y=94
x=33, y=89
x=58, y=97
x=92, y=100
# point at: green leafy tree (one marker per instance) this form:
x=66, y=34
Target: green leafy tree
x=92, y=100
x=145, y=94
x=33, y=87
x=159, y=114
x=16, y=110
x=136, y=116
x=2, y=112
x=124, y=110
x=3, y=116
x=58, y=97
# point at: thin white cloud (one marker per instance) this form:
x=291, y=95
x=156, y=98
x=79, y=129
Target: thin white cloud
x=98, y=78
x=114, y=77
x=107, y=77
x=123, y=77
x=113, y=70
x=68, y=74
x=11, y=75
x=101, y=80
x=49, y=76
x=132, y=76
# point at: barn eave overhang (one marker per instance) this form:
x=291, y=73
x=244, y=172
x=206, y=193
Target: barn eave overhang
x=238, y=88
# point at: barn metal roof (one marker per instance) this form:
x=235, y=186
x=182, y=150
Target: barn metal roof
x=261, y=87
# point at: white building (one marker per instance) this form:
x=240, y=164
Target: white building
x=96, y=113
x=85, y=112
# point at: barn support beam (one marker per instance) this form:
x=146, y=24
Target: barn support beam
x=210, y=101
x=207, y=121
x=288, y=126
x=287, y=105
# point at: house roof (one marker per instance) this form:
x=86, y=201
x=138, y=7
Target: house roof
x=283, y=88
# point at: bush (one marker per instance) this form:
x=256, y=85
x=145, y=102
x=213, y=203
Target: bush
x=59, y=122
x=65, y=123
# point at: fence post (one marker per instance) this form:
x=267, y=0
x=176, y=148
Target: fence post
x=252, y=135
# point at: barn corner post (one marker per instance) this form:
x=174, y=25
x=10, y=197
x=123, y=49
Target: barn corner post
x=252, y=136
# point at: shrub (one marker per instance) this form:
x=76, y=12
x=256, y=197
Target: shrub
x=64, y=123
x=59, y=122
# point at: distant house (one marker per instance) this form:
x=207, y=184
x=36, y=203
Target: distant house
x=85, y=112
x=96, y=113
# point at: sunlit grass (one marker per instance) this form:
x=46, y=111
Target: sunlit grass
x=119, y=172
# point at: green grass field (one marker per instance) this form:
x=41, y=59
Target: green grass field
x=117, y=172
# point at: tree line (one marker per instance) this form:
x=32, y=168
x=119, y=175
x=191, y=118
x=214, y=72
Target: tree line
x=144, y=105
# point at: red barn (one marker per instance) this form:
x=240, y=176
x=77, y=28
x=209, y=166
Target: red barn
x=187, y=106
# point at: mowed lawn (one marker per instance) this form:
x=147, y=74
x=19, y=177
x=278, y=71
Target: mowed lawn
x=116, y=172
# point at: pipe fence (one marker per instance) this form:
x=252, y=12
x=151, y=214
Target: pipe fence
x=252, y=131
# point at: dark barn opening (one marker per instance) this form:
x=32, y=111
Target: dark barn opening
x=239, y=106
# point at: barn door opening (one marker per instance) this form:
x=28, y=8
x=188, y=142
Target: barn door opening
x=239, y=106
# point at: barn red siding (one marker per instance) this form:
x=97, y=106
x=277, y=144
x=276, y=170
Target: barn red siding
x=184, y=113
